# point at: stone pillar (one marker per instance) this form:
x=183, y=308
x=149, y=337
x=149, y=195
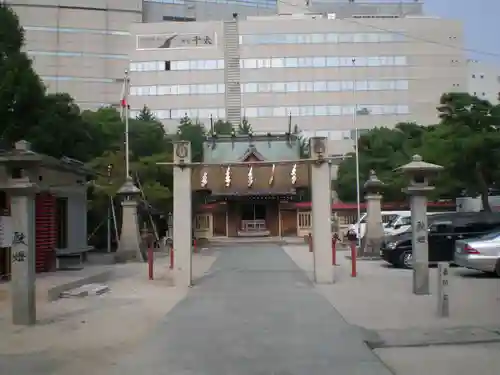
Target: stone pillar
x=129, y=246
x=182, y=214
x=419, y=173
x=23, y=255
x=420, y=246
x=321, y=212
x=372, y=241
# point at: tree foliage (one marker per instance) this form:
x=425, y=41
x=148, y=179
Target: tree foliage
x=222, y=127
x=193, y=131
x=244, y=127
x=466, y=142
x=382, y=150
x=146, y=114
x=22, y=94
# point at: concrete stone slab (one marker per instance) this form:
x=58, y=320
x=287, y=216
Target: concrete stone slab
x=86, y=290
x=100, y=274
x=28, y=364
x=425, y=337
x=443, y=360
x=256, y=313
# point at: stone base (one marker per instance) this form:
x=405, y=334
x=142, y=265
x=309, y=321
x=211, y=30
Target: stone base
x=123, y=256
x=365, y=257
x=421, y=278
x=370, y=247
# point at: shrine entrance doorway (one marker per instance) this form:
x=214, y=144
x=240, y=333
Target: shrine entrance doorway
x=253, y=220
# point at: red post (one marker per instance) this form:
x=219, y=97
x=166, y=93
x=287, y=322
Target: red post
x=310, y=243
x=334, y=250
x=353, y=259
x=150, y=262
x=171, y=258
x=194, y=245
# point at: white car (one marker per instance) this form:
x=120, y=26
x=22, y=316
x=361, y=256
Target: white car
x=387, y=216
x=401, y=224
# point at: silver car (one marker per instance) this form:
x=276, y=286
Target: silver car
x=480, y=253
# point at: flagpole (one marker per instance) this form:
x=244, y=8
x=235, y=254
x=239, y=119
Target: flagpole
x=127, y=153
x=356, y=137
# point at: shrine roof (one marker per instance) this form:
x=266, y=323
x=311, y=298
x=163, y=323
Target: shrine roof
x=232, y=149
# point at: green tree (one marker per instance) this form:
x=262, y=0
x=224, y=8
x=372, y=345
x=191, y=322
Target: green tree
x=245, y=127
x=156, y=180
x=22, y=93
x=467, y=143
x=195, y=133
x=222, y=127
x=62, y=131
x=145, y=114
x=383, y=150
x=303, y=142
x=146, y=137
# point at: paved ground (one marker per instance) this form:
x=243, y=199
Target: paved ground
x=255, y=313
x=479, y=359
x=81, y=336
x=380, y=301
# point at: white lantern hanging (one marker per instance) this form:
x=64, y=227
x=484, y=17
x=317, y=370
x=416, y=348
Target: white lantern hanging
x=293, y=174
x=271, y=179
x=204, y=179
x=227, y=177
x=250, y=177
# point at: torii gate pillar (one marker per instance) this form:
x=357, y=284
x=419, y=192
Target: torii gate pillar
x=182, y=214
x=321, y=211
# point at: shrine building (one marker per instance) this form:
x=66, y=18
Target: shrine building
x=250, y=200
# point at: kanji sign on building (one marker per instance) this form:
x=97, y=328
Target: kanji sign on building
x=174, y=40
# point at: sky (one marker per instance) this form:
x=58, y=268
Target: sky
x=481, y=20
x=481, y=23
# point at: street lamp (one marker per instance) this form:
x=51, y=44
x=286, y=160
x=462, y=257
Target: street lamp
x=358, y=112
x=361, y=112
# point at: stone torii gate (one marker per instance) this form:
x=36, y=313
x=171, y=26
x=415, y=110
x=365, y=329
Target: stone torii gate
x=320, y=178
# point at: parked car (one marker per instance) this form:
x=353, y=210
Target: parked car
x=402, y=223
x=387, y=216
x=482, y=253
x=443, y=231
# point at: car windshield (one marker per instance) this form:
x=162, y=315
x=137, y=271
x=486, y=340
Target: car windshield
x=392, y=221
x=489, y=236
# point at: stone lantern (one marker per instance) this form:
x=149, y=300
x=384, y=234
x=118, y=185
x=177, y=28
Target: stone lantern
x=419, y=173
x=130, y=239
x=374, y=235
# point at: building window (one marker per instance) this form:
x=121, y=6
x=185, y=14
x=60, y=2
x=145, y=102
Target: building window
x=78, y=54
x=80, y=79
x=178, y=19
x=269, y=63
x=276, y=87
x=69, y=30
x=295, y=111
x=377, y=37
